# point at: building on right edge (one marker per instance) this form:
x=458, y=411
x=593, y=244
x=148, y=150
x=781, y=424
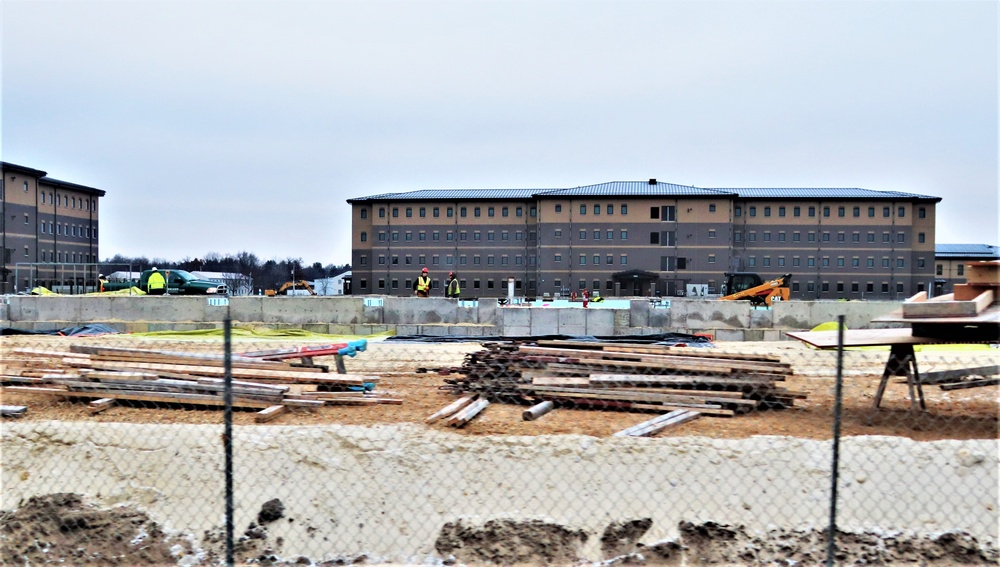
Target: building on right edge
x=950, y=261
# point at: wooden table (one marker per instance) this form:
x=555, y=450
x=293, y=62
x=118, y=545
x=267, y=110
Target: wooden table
x=902, y=360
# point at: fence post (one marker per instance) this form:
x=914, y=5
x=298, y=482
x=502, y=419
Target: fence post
x=228, y=435
x=831, y=550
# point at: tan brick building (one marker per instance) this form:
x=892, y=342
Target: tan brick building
x=641, y=238
x=49, y=223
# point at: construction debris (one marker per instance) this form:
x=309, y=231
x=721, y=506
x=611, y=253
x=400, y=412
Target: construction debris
x=632, y=377
x=111, y=375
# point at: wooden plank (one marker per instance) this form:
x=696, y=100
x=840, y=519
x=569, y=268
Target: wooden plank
x=13, y=411
x=945, y=376
x=685, y=380
x=620, y=405
x=192, y=399
x=452, y=408
x=983, y=273
x=706, y=364
x=970, y=291
x=658, y=349
x=97, y=406
x=658, y=424
x=560, y=381
x=862, y=337
x=946, y=306
x=465, y=415
x=270, y=413
x=971, y=384
x=632, y=396
x=278, y=376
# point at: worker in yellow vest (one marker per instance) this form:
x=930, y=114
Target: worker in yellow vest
x=453, y=289
x=156, y=285
x=423, y=284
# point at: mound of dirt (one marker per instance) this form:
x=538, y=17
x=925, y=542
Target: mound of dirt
x=64, y=529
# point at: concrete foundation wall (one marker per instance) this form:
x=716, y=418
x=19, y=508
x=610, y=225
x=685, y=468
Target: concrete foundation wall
x=350, y=315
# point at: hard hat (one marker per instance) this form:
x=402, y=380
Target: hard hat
x=154, y=268
x=424, y=270
x=100, y=275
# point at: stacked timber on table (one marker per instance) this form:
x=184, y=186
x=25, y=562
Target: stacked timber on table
x=970, y=313
x=636, y=377
x=159, y=377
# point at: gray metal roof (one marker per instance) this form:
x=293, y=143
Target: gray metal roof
x=451, y=195
x=982, y=251
x=643, y=189
x=634, y=189
x=825, y=193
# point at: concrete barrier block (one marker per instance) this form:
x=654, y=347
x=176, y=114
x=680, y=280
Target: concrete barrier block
x=466, y=315
x=711, y=314
x=639, y=313
x=514, y=317
x=53, y=309
x=623, y=319
x=729, y=335
x=775, y=335
x=247, y=308
x=340, y=329
x=572, y=321
x=407, y=330
x=761, y=318
x=600, y=322
x=792, y=315
x=516, y=331
x=660, y=318
x=487, y=312
x=544, y=320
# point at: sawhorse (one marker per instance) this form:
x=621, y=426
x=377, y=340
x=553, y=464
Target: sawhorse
x=902, y=362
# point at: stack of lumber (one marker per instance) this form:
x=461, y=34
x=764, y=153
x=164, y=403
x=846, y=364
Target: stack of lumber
x=178, y=377
x=638, y=377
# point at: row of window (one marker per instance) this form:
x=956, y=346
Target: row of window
x=609, y=259
x=841, y=211
x=597, y=209
x=53, y=256
x=450, y=212
x=449, y=260
x=825, y=262
x=70, y=201
x=60, y=229
x=608, y=234
x=477, y=235
x=811, y=236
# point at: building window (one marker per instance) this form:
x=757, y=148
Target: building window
x=796, y=261
x=363, y=212
x=796, y=236
x=921, y=237
x=900, y=263
x=597, y=235
x=781, y=211
x=921, y=263
x=711, y=258
x=939, y=270
x=423, y=212
x=781, y=261
x=711, y=233
x=797, y=212
x=841, y=211
x=901, y=212
x=490, y=212
x=477, y=212
x=811, y=262
x=409, y=236
x=557, y=233
x=840, y=262
x=624, y=259
x=767, y=236
x=922, y=212
x=886, y=212
x=597, y=259
x=624, y=235
x=767, y=261
x=558, y=208
x=900, y=237
x=841, y=237
x=610, y=235
x=826, y=211
x=609, y=259
x=519, y=211
x=583, y=260
x=812, y=211
x=959, y=269
x=364, y=237
x=753, y=211
x=886, y=237
x=597, y=209
x=767, y=211
x=738, y=211
x=557, y=258
x=395, y=212
x=505, y=212
x=583, y=209
x=856, y=211
x=583, y=235
x=533, y=211
x=451, y=212
x=437, y=212
x=624, y=209
x=611, y=209
x=462, y=212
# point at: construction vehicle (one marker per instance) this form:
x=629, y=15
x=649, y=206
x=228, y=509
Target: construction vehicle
x=289, y=286
x=751, y=287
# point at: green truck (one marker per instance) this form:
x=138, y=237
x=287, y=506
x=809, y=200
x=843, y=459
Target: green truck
x=179, y=282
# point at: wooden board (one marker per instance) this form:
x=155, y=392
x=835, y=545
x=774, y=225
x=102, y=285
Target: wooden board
x=861, y=337
x=919, y=306
x=983, y=273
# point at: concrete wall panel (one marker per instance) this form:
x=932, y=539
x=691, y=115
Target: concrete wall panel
x=600, y=322
x=544, y=320
x=572, y=321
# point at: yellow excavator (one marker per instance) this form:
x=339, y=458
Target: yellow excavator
x=283, y=290
x=751, y=287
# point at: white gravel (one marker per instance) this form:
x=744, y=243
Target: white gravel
x=386, y=491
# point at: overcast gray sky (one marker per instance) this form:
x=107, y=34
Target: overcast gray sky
x=244, y=126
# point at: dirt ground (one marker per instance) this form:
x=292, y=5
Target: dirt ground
x=80, y=533
x=958, y=414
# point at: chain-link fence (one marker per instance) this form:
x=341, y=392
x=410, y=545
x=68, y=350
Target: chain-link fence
x=552, y=451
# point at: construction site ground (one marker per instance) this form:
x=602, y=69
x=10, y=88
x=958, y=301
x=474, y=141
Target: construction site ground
x=410, y=372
